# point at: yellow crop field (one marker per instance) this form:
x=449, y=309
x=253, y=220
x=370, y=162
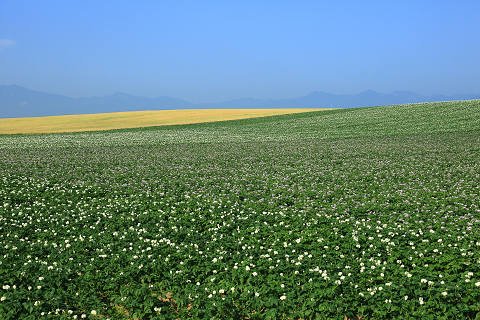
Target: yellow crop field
x=132, y=119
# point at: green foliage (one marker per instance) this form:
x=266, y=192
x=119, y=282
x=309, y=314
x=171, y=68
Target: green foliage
x=359, y=214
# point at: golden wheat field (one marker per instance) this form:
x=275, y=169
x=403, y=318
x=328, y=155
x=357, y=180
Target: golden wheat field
x=133, y=119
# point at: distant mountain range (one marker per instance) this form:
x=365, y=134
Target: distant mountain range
x=16, y=101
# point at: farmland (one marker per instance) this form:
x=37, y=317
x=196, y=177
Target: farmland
x=359, y=213
x=132, y=119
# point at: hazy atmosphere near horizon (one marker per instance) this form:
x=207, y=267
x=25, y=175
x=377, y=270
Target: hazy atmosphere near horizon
x=211, y=51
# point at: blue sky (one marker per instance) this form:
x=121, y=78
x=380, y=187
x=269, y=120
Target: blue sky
x=215, y=50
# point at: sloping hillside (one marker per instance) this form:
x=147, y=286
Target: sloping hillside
x=347, y=214
x=132, y=119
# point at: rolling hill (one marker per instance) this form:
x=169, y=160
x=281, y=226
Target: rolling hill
x=131, y=119
x=368, y=213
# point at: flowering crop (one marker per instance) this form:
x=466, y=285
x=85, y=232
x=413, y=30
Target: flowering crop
x=364, y=213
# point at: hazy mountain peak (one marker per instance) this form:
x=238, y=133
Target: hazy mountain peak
x=369, y=92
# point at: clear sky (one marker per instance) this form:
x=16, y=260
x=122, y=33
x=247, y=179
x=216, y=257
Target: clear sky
x=215, y=50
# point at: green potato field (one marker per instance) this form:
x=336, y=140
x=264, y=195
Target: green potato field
x=368, y=213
